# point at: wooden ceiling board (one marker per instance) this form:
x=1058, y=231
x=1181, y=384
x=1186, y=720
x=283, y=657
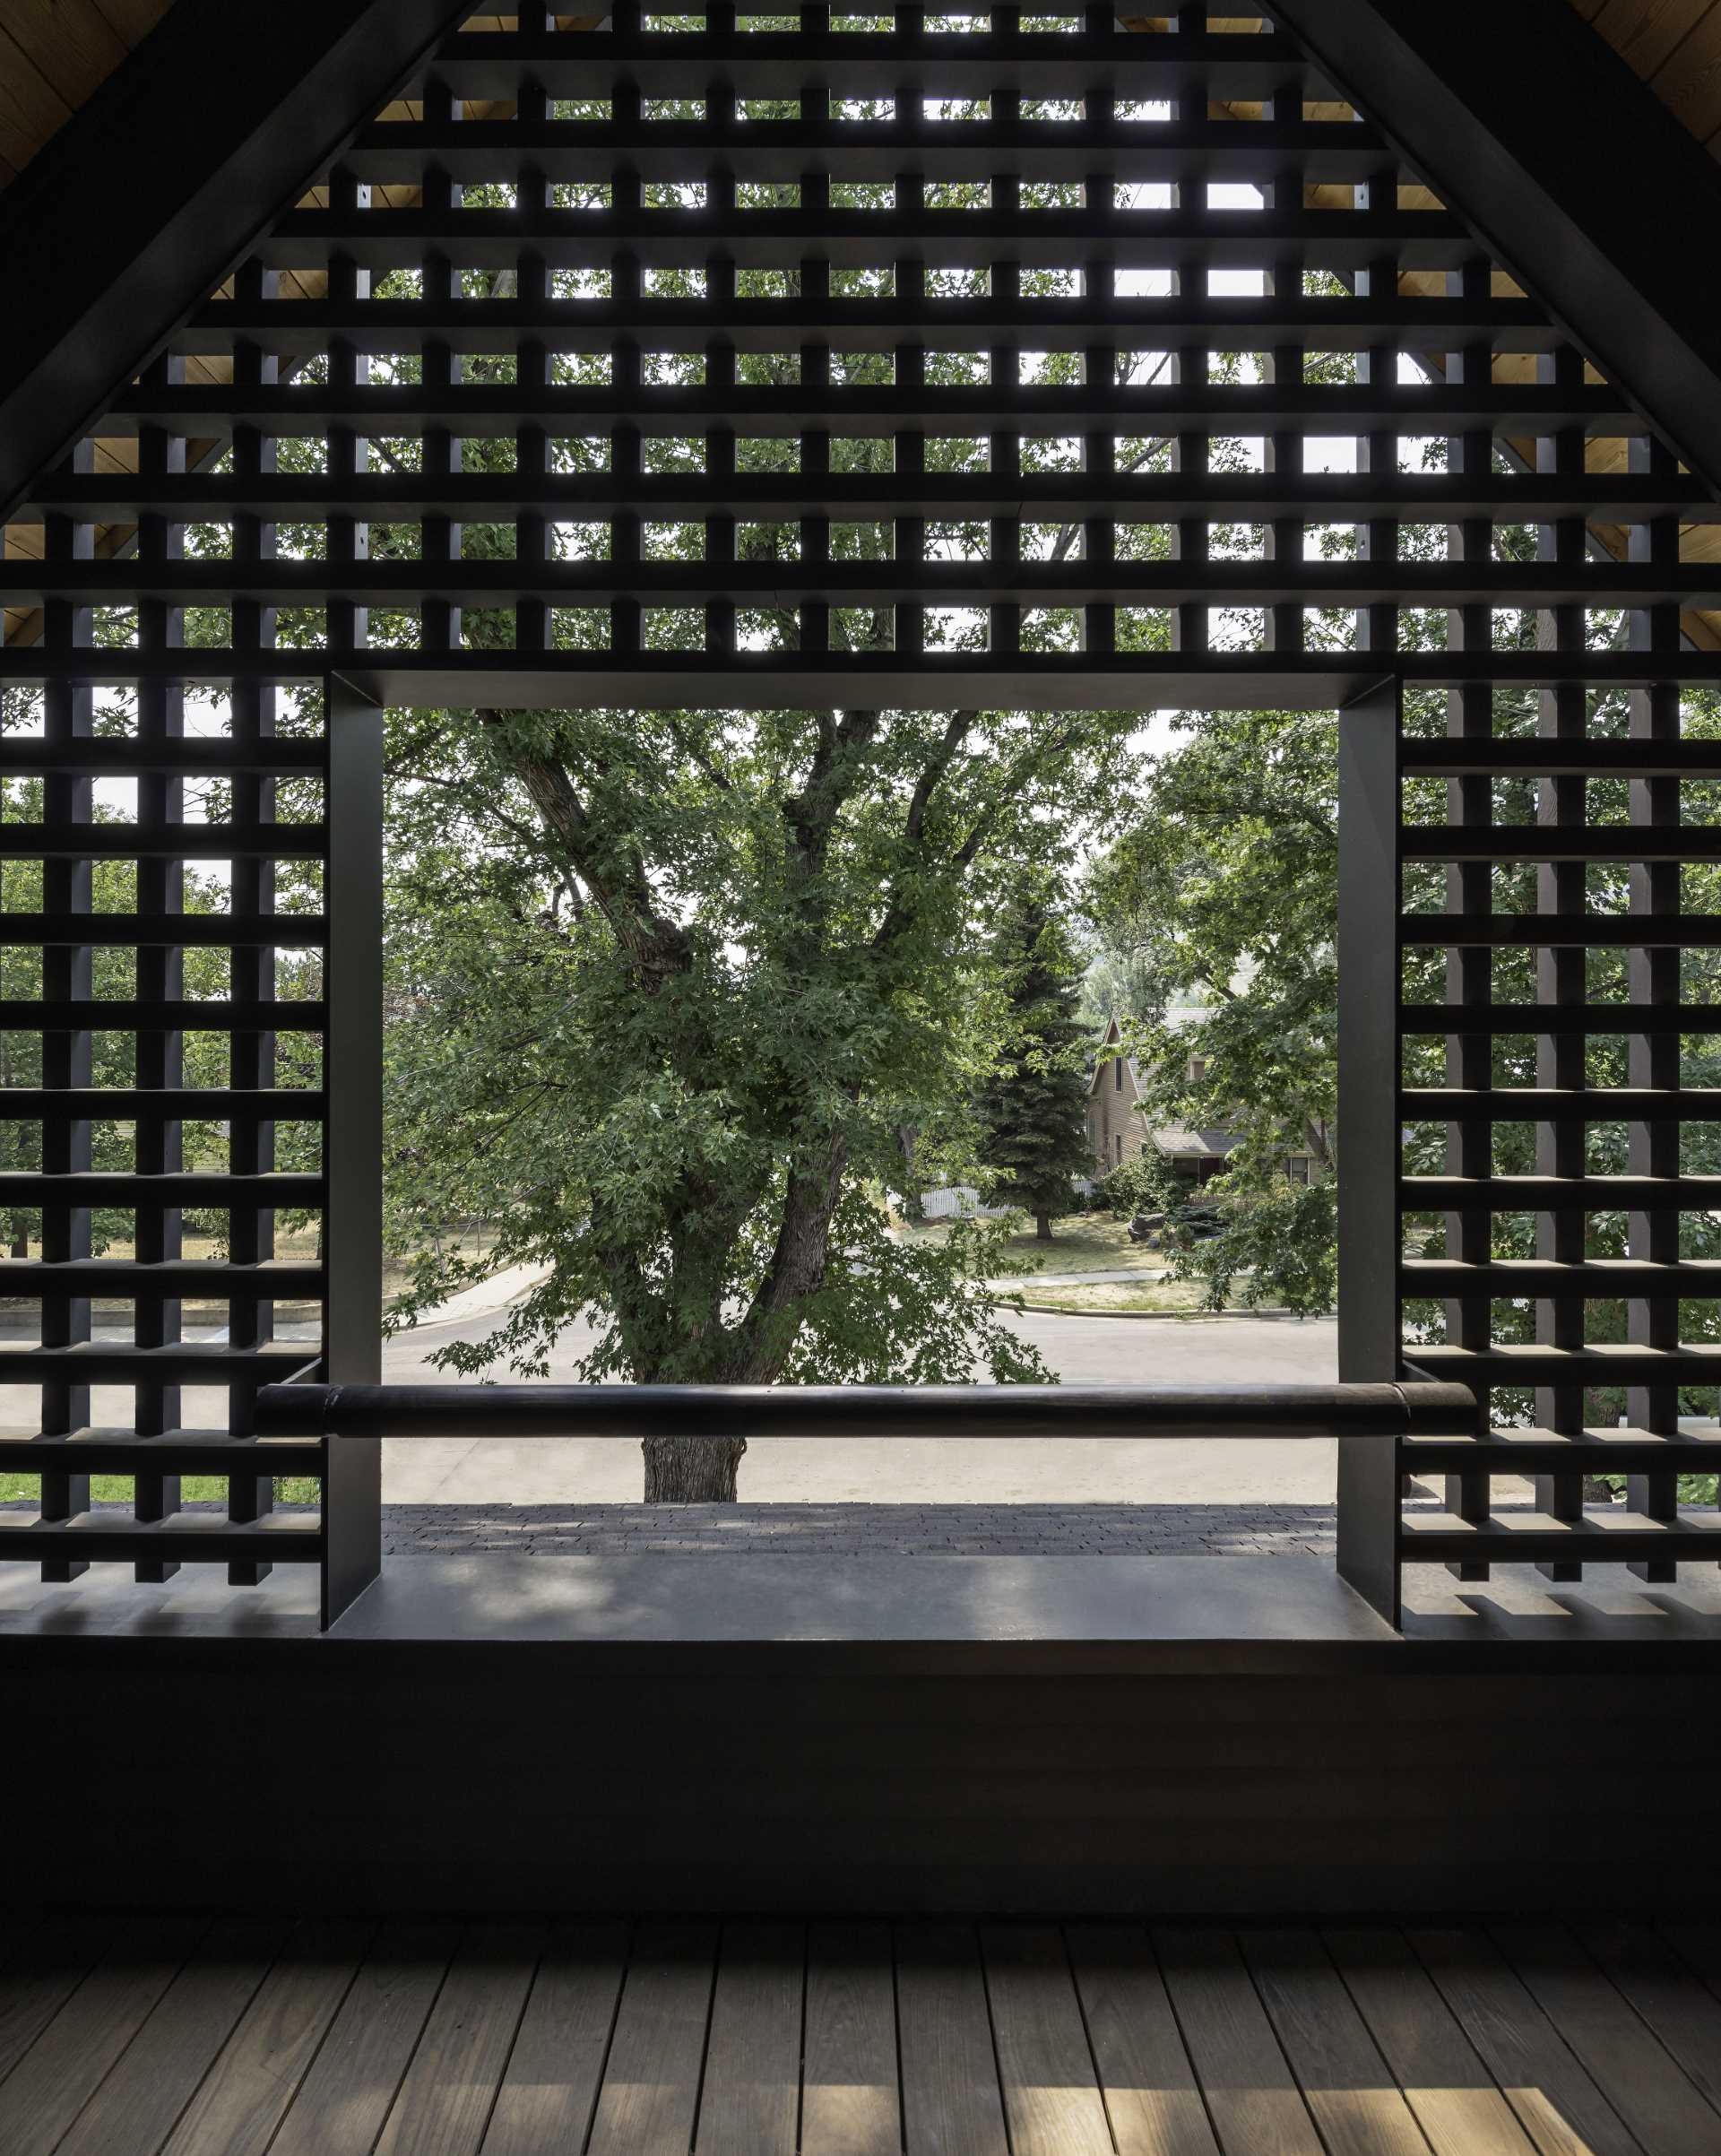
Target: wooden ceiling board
x=1644, y=32
x=133, y=19
x=1689, y=81
x=30, y=108
x=54, y=55
x=75, y=47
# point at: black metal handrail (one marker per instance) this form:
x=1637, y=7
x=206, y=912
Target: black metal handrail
x=848, y=1411
x=1370, y=1421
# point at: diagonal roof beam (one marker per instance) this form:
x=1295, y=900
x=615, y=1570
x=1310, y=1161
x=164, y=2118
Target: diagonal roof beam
x=1530, y=127
x=147, y=198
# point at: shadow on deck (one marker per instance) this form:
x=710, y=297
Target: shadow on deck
x=177, y=2038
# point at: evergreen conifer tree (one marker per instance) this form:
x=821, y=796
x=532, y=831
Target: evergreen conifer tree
x=1034, y=1110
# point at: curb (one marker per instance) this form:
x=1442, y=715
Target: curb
x=1173, y=1317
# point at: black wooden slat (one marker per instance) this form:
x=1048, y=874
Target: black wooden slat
x=445, y=2098
x=1051, y=2100
x=1152, y=2098
x=1547, y=2085
x=1644, y=2086
x=651, y=2084
x=138, y=2104
x=1252, y=2093
x=951, y=2099
x=255, y=2076
x=752, y=2077
x=344, y=2097
x=68, y=2062
x=851, y=2101
x=1446, y=2084
x=550, y=2091
x=1349, y=2089
x=1685, y=2016
x=42, y=1970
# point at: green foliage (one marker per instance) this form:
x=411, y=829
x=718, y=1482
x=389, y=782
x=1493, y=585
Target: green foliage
x=666, y=990
x=1223, y=896
x=1033, y=1107
x=1147, y=1184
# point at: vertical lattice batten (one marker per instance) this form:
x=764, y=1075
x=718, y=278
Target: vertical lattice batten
x=160, y=976
x=67, y=805
x=1654, y=981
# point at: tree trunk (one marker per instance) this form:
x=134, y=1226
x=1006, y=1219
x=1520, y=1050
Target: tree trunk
x=1042, y=1227
x=692, y=1470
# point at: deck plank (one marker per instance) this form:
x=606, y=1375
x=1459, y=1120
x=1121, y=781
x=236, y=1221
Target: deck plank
x=44, y=1969
x=550, y=2091
x=72, y=2057
x=1698, y=1943
x=1051, y=2096
x=1352, y=2095
x=445, y=2098
x=752, y=2086
x=1252, y=2093
x=137, y=2107
x=1446, y=2084
x=1557, y=2103
x=1630, y=2066
x=1151, y=2093
x=650, y=2095
x=1683, y=2013
x=246, y=2093
x=851, y=2102
x=951, y=2100
x=350, y=2084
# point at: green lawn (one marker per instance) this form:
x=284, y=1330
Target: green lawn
x=1100, y=1296
x=116, y=1489
x=1081, y=1243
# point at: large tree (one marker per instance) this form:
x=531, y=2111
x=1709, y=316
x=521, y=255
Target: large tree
x=1034, y=1108
x=666, y=987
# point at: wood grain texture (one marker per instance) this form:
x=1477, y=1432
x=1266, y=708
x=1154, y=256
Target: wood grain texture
x=30, y=108
x=1644, y=32
x=1683, y=2013
x=1699, y=1946
x=651, y=2089
x=1151, y=2094
x=444, y=2102
x=42, y=1970
x=1252, y=2095
x=136, y=2106
x=550, y=2089
x=1633, y=2071
x=1558, y=2104
x=951, y=2103
x=1689, y=82
x=346, y=2093
x=71, y=41
x=1348, y=2087
x=1051, y=2098
x=1450, y=2091
x=752, y=2078
x=68, y=2062
x=248, y=2089
x=851, y=2101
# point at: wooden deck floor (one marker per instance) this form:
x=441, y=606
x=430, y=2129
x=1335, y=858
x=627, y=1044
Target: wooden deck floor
x=847, y=2038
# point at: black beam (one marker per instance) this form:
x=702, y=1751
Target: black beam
x=151, y=193
x=1505, y=117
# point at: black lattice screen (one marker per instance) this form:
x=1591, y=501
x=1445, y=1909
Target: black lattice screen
x=917, y=358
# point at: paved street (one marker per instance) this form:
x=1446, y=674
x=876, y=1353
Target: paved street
x=597, y=1471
